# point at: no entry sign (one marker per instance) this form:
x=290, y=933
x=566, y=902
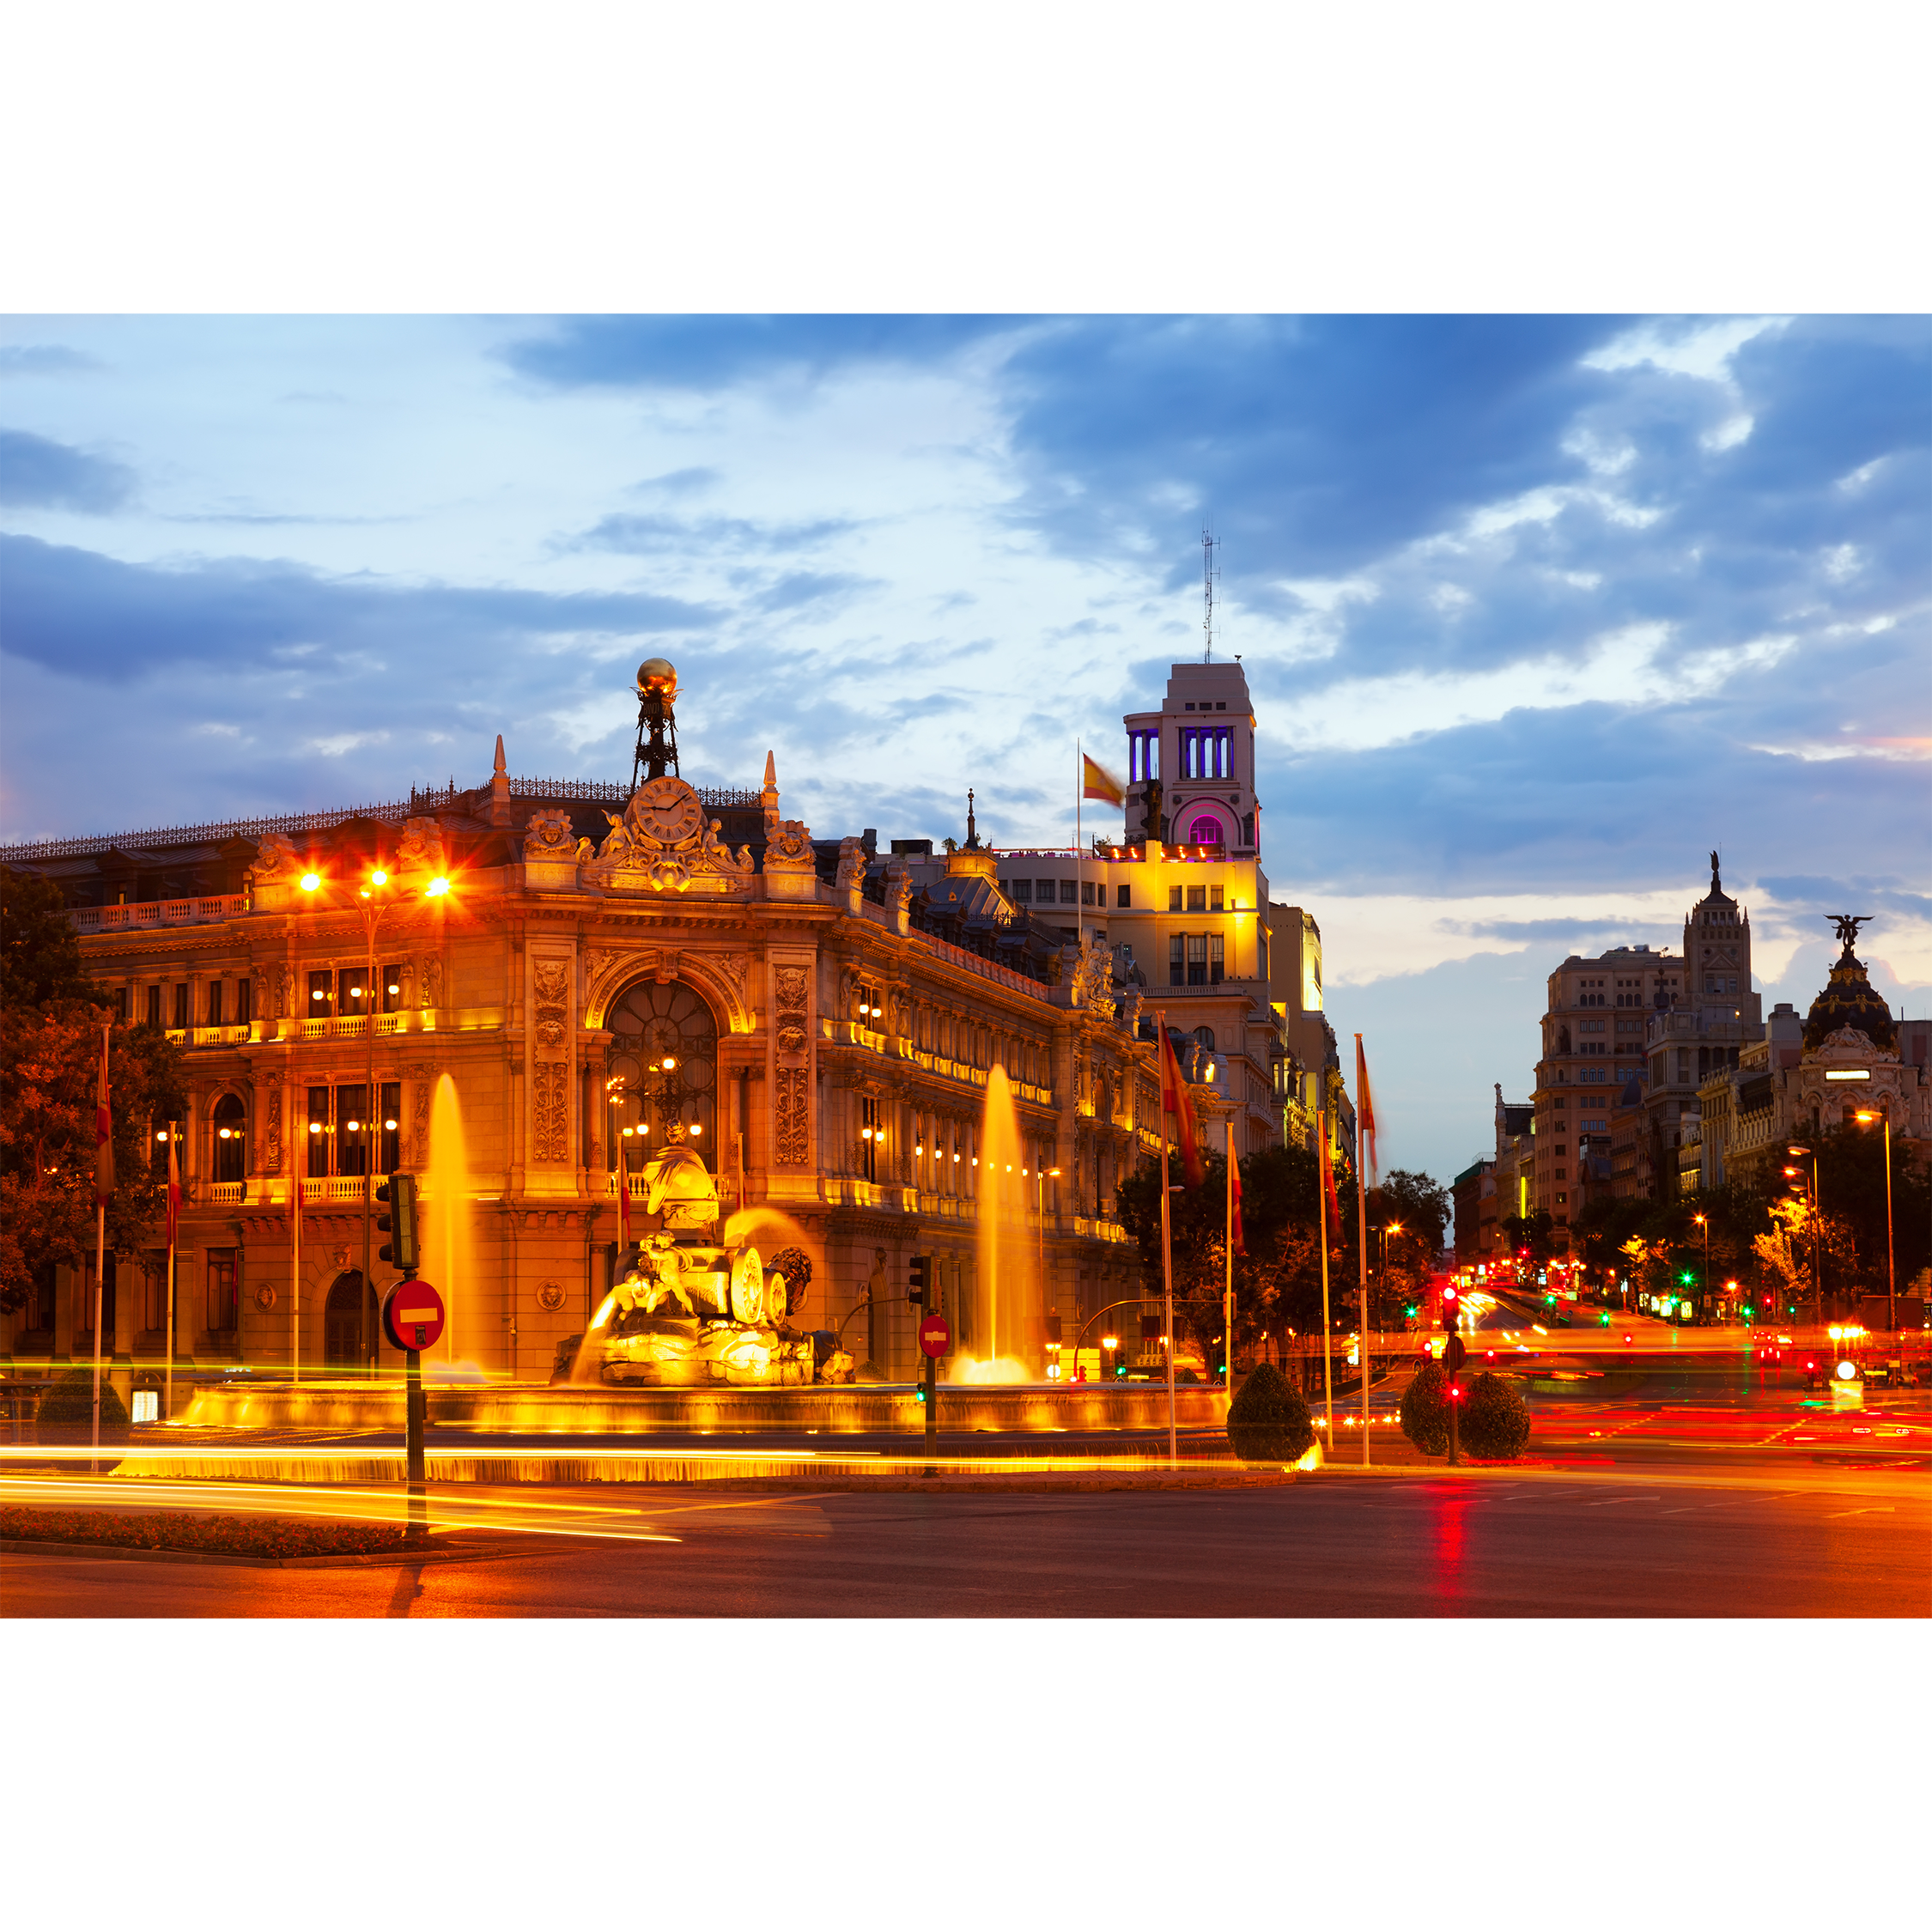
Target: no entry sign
x=412, y=1315
x=935, y=1335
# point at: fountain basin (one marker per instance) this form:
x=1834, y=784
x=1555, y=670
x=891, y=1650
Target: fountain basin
x=587, y=1409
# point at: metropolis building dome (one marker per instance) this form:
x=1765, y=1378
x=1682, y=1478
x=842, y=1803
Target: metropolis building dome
x=1849, y=1000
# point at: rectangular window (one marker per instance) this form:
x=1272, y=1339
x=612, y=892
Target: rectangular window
x=319, y=1125
x=1207, y=750
x=392, y=988
x=1086, y=893
x=320, y=987
x=122, y=995
x=390, y=1158
x=1214, y=894
x=224, y=1304
x=1247, y=828
x=153, y=1291
x=1044, y=891
x=1069, y=892
x=352, y=998
x=1174, y=898
x=1216, y=959
x=181, y=1009
x=352, y=1130
x=1176, y=961
x=215, y=1002
x=1123, y=896
x=1197, y=959
x=244, y=1000
x=1023, y=892
x=154, y=1006
x=1197, y=898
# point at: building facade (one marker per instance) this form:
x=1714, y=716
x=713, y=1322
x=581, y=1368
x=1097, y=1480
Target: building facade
x=484, y=987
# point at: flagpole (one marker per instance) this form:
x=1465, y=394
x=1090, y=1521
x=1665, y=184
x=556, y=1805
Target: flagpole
x=295, y=1278
x=167, y=1385
x=1167, y=1247
x=1361, y=1236
x=99, y=1244
x=1322, y=1213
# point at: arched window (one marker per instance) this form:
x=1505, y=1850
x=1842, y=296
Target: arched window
x=1205, y=1035
x=230, y=1126
x=1205, y=830
x=652, y=1024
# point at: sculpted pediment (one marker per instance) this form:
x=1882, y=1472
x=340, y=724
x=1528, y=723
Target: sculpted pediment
x=663, y=842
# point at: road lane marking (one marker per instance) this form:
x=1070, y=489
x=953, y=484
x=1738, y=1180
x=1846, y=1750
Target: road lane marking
x=1608, y=1500
x=1874, y=1509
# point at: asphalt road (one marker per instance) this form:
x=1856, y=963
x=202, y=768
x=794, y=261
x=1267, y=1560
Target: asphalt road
x=1659, y=1543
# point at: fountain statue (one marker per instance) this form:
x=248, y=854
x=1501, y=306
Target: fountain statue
x=690, y=1310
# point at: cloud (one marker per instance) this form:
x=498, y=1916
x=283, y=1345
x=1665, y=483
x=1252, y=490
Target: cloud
x=679, y=482
x=43, y=359
x=802, y=589
x=90, y=617
x=714, y=352
x=655, y=534
x=37, y=474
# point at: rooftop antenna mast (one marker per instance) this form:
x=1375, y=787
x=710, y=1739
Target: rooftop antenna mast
x=1209, y=575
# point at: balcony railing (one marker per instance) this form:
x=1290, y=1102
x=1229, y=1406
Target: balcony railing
x=157, y=911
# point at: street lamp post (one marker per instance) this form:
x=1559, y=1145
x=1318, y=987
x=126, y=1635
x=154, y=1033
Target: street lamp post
x=377, y=896
x=1865, y=1117
x=1703, y=1292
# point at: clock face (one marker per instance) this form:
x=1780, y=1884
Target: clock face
x=667, y=809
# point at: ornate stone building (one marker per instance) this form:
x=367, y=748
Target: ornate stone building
x=483, y=986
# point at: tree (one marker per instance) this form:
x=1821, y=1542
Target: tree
x=50, y=1057
x=1534, y=1233
x=39, y=955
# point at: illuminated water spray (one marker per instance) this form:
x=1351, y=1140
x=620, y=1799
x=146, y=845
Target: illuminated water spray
x=449, y=1213
x=1006, y=1287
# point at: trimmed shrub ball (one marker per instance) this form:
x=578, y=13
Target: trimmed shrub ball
x=70, y=1403
x=1425, y=1409
x=1267, y=1420
x=1495, y=1418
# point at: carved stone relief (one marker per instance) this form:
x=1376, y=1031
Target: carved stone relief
x=420, y=847
x=552, y=978
x=550, y=836
x=271, y=1132
x=275, y=859
x=550, y=1082
x=662, y=842
x=793, y=997
x=794, y=1138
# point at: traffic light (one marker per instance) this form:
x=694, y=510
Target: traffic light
x=1685, y=1280
x=1449, y=1307
x=920, y=1275
x=398, y=1193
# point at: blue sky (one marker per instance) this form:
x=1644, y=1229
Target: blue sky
x=1536, y=610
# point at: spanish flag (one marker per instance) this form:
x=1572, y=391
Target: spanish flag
x=1328, y=1192
x=1176, y=1100
x=103, y=1134
x=1364, y=1106
x=174, y=1187
x=1098, y=782
x=1237, y=1239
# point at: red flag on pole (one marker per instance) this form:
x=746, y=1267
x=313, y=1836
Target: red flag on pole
x=1364, y=1105
x=173, y=1188
x=1175, y=1100
x=1328, y=1192
x=1097, y=782
x=623, y=1202
x=103, y=1135
x=1237, y=1239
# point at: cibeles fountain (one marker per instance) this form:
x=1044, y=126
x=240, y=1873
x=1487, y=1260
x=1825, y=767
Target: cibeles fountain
x=692, y=1310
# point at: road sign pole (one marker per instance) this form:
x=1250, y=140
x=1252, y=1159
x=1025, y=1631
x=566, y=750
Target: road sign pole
x=1453, y=1447
x=932, y=1416
x=419, y=1518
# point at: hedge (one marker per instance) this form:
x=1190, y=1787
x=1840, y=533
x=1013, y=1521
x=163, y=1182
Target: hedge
x=1425, y=1409
x=1268, y=1420
x=1495, y=1418
x=70, y=1403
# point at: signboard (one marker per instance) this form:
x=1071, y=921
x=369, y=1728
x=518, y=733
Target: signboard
x=1456, y=1352
x=935, y=1335
x=412, y=1315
